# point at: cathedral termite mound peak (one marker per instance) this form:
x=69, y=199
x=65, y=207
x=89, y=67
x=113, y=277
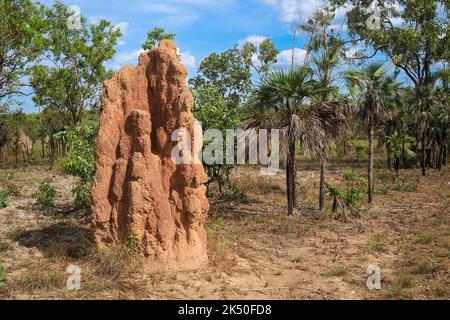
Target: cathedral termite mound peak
x=140, y=195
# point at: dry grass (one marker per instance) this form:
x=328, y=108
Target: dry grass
x=255, y=250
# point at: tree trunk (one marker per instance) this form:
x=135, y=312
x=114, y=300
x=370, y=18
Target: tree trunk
x=370, y=167
x=424, y=160
x=322, y=186
x=388, y=149
x=291, y=172
x=397, y=166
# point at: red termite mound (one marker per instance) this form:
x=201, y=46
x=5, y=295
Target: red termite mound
x=140, y=195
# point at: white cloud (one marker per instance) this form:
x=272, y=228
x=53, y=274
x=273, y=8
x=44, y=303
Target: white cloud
x=123, y=27
x=256, y=40
x=293, y=10
x=285, y=57
x=187, y=58
x=128, y=57
x=290, y=11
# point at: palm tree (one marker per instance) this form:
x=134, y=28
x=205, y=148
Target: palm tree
x=284, y=100
x=374, y=91
x=399, y=148
x=325, y=62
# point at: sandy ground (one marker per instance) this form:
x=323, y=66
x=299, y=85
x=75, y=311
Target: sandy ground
x=256, y=251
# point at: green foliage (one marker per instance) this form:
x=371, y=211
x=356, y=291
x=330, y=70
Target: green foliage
x=424, y=29
x=407, y=186
x=46, y=194
x=4, y=202
x=21, y=34
x=376, y=243
x=265, y=53
x=212, y=110
x=80, y=159
x=2, y=276
x=73, y=68
x=337, y=271
x=383, y=190
x=11, y=190
x=360, y=149
x=352, y=196
x=228, y=72
x=154, y=36
x=15, y=233
x=132, y=243
x=233, y=193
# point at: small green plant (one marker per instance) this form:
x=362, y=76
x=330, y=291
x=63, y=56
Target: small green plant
x=443, y=253
x=11, y=190
x=424, y=267
x=4, y=202
x=376, y=243
x=4, y=246
x=80, y=159
x=46, y=194
x=15, y=233
x=233, y=192
x=383, y=190
x=402, y=282
x=296, y=259
x=132, y=243
x=2, y=276
x=407, y=187
x=425, y=238
x=359, y=149
x=336, y=271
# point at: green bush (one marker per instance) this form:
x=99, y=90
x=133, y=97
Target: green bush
x=46, y=194
x=4, y=202
x=11, y=190
x=352, y=196
x=359, y=148
x=81, y=162
x=2, y=276
x=383, y=190
x=233, y=192
x=406, y=186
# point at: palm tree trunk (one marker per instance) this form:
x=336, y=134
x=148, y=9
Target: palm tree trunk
x=370, y=167
x=423, y=162
x=291, y=172
x=322, y=185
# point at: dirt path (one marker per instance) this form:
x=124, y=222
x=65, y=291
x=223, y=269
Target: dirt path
x=256, y=251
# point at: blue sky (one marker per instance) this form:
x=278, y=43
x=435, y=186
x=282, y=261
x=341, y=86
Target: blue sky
x=201, y=26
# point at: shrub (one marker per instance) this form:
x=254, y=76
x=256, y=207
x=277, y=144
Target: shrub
x=233, y=192
x=46, y=194
x=11, y=190
x=376, y=243
x=4, y=202
x=359, y=148
x=2, y=276
x=15, y=233
x=406, y=186
x=336, y=271
x=383, y=190
x=81, y=161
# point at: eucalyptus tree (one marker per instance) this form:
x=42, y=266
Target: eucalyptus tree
x=69, y=75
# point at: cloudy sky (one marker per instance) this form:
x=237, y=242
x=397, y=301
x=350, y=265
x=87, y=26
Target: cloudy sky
x=201, y=26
